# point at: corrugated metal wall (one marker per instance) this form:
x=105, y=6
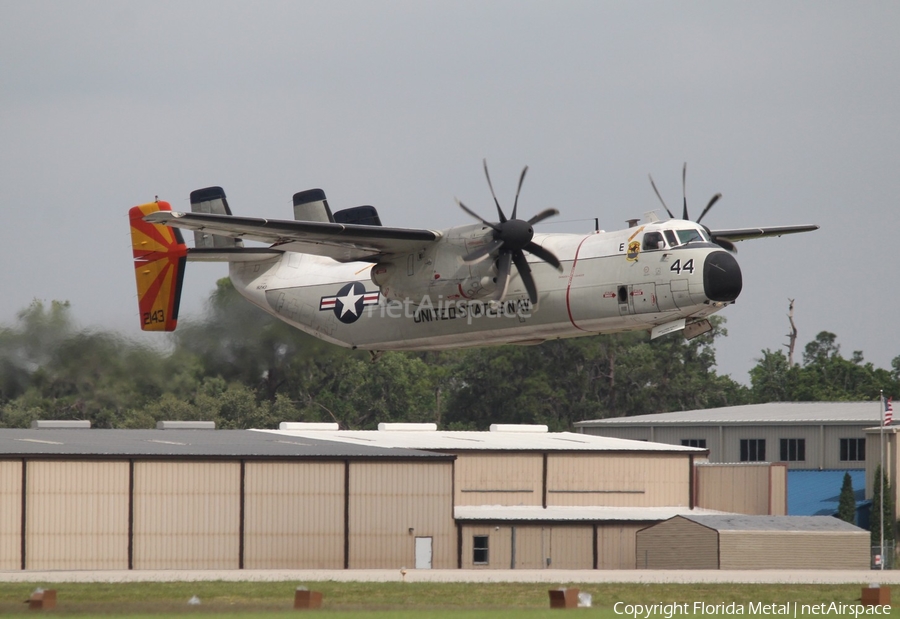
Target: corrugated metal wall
x=10, y=514
x=778, y=490
x=739, y=488
x=571, y=547
x=676, y=544
x=751, y=550
x=616, y=545
x=529, y=546
x=516, y=479
x=387, y=499
x=673, y=435
x=76, y=515
x=187, y=515
x=832, y=452
x=532, y=547
x=822, y=441
x=499, y=546
x=294, y=515
x=618, y=480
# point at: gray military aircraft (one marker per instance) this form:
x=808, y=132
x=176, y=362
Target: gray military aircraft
x=345, y=278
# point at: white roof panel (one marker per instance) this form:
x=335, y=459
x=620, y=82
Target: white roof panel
x=535, y=512
x=771, y=413
x=485, y=441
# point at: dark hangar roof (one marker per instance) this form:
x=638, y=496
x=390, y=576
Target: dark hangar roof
x=187, y=444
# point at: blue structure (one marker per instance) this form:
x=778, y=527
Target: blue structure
x=817, y=493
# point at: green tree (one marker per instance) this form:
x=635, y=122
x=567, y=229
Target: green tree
x=825, y=375
x=563, y=381
x=847, y=502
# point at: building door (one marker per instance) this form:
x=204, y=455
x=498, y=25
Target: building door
x=423, y=553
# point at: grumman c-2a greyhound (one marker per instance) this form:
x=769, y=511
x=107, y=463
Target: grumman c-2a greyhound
x=345, y=278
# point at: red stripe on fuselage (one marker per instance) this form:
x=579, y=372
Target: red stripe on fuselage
x=569, y=287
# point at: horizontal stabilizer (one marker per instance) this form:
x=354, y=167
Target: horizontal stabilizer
x=233, y=254
x=159, y=260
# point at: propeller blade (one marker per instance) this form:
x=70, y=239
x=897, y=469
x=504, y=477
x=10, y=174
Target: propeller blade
x=482, y=252
x=712, y=201
x=660, y=197
x=503, y=269
x=550, y=212
x=684, y=189
x=525, y=274
x=499, y=210
x=516, y=203
x=544, y=254
x=476, y=215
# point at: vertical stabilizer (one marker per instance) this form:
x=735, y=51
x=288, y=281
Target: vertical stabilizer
x=159, y=259
x=311, y=205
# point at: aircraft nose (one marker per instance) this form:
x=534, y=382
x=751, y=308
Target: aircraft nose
x=721, y=277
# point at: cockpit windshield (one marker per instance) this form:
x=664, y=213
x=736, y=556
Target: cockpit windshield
x=686, y=236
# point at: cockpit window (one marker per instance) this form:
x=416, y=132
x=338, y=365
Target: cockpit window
x=670, y=236
x=691, y=236
x=653, y=240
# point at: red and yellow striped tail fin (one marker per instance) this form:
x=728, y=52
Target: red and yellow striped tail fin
x=159, y=259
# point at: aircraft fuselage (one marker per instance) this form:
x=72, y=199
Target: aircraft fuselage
x=656, y=275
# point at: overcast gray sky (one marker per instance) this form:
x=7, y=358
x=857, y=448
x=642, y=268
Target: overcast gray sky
x=790, y=109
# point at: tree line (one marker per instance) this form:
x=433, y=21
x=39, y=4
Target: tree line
x=242, y=368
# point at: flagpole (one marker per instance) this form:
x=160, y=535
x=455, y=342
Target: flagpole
x=881, y=477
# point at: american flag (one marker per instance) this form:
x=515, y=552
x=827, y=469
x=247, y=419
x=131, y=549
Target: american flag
x=888, y=411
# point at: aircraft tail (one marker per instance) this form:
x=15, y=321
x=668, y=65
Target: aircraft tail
x=159, y=260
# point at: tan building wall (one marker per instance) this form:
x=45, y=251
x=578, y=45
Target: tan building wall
x=499, y=546
x=572, y=547
x=529, y=546
x=499, y=479
x=747, y=488
x=618, y=480
x=11, y=514
x=392, y=503
x=76, y=515
x=294, y=515
x=187, y=515
x=747, y=550
x=616, y=545
x=778, y=493
x=677, y=543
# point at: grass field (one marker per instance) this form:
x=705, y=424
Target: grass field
x=245, y=600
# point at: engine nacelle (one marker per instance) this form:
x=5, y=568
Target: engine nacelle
x=406, y=284
x=438, y=272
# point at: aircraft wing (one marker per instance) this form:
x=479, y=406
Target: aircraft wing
x=742, y=234
x=342, y=242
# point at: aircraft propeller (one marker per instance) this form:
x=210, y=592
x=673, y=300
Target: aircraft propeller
x=721, y=242
x=512, y=237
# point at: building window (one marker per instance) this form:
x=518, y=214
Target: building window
x=694, y=442
x=480, y=549
x=853, y=450
x=793, y=449
x=753, y=450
